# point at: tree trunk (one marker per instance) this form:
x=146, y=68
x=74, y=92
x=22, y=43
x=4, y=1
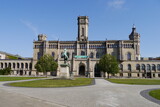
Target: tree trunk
x=108, y=75
x=46, y=73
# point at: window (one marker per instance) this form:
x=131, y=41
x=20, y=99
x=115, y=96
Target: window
x=22, y=65
x=137, y=67
x=82, y=53
x=53, y=54
x=14, y=65
x=38, y=55
x=158, y=67
x=148, y=67
x=9, y=65
x=121, y=67
x=128, y=56
x=91, y=55
x=26, y=65
x=17, y=65
x=1, y=65
x=73, y=54
x=5, y=65
x=143, y=67
x=97, y=55
x=153, y=67
x=30, y=66
x=82, y=31
x=129, y=67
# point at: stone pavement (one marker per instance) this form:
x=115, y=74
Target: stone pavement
x=102, y=94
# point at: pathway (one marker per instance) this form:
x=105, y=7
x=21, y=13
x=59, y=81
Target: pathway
x=103, y=94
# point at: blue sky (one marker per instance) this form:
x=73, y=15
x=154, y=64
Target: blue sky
x=22, y=20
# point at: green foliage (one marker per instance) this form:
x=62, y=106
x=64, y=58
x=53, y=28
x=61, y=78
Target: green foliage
x=54, y=83
x=155, y=94
x=11, y=57
x=136, y=81
x=5, y=71
x=46, y=64
x=109, y=64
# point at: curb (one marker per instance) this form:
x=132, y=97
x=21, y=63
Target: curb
x=145, y=94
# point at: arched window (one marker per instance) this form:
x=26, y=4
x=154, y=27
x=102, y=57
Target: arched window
x=158, y=67
x=128, y=56
x=53, y=54
x=17, y=65
x=153, y=67
x=1, y=65
x=22, y=65
x=68, y=54
x=137, y=67
x=5, y=65
x=148, y=67
x=91, y=55
x=143, y=67
x=82, y=53
x=129, y=67
x=26, y=65
x=14, y=65
x=121, y=67
x=9, y=65
x=97, y=55
x=30, y=66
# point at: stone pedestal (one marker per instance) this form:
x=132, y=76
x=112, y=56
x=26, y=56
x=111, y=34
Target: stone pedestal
x=64, y=71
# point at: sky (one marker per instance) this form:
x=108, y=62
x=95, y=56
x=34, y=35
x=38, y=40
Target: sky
x=22, y=20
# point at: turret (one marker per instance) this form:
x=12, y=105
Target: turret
x=134, y=35
x=42, y=37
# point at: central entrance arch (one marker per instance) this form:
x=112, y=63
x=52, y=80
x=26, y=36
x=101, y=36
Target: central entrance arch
x=82, y=70
x=97, y=72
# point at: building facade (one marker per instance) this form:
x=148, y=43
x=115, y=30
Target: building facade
x=85, y=54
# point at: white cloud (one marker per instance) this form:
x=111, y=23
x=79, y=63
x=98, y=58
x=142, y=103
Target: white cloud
x=30, y=26
x=117, y=4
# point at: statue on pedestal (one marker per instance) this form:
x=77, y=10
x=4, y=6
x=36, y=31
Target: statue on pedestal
x=64, y=68
x=64, y=55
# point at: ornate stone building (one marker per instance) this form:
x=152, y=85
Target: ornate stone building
x=84, y=54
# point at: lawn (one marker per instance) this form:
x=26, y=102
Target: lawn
x=155, y=94
x=17, y=78
x=54, y=83
x=136, y=81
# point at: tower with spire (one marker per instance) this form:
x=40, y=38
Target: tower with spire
x=135, y=37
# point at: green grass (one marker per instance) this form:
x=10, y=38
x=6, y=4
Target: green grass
x=54, y=83
x=155, y=94
x=17, y=78
x=136, y=81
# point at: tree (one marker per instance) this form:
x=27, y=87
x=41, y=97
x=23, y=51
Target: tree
x=5, y=71
x=46, y=64
x=109, y=64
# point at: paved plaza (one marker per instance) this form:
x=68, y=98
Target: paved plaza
x=102, y=94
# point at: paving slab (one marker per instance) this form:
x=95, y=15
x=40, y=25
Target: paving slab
x=102, y=94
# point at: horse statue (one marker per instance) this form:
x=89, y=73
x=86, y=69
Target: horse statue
x=64, y=55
